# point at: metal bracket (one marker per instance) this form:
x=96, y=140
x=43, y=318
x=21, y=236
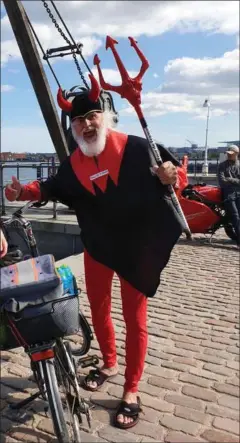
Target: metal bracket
x=74, y=49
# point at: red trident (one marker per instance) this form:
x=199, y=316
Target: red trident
x=131, y=87
x=131, y=90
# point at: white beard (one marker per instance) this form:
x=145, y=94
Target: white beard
x=93, y=148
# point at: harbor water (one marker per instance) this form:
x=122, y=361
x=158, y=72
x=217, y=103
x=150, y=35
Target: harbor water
x=25, y=172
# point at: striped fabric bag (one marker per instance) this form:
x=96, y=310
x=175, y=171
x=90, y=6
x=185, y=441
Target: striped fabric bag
x=33, y=304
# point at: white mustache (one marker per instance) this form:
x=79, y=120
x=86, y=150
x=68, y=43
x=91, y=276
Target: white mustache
x=93, y=148
x=85, y=131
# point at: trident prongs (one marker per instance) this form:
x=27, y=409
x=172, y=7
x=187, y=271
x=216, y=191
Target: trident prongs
x=130, y=88
x=145, y=64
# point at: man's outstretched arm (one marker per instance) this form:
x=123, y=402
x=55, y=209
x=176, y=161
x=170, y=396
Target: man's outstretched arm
x=17, y=191
x=50, y=189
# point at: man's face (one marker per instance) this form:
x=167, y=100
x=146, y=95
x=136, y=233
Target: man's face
x=90, y=133
x=88, y=127
x=232, y=156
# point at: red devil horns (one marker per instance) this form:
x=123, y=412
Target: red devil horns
x=93, y=95
x=64, y=104
x=95, y=89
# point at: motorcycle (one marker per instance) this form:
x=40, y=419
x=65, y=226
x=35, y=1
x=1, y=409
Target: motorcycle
x=203, y=205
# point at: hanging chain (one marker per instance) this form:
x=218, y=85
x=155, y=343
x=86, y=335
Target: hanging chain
x=66, y=40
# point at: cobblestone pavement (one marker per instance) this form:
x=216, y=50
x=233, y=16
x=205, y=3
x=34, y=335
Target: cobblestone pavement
x=190, y=386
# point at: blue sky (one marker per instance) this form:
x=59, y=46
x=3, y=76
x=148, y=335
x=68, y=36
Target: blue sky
x=192, y=48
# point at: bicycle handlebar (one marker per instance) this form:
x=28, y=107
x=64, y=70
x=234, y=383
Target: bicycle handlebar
x=20, y=211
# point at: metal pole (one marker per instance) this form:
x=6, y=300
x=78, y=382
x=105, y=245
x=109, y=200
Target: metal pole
x=205, y=166
x=24, y=37
x=2, y=201
x=18, y=171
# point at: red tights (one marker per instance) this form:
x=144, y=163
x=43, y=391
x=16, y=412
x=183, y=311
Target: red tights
x=134, y=304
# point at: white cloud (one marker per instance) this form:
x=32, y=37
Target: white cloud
x=7, y=88
x=121, y=19
x=111, y=76
x=48, y=37
x=90, y=45
x=14, y=71
x=136, y=18
x=155, y=75
x=189, y=81
x=215, y=69
x=9, y=51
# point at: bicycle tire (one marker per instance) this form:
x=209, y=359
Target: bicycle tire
x=87, y=337
x=55, y=403
x=76, y=423
x=67, y=369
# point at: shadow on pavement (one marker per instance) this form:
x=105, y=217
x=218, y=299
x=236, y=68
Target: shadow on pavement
x=214, y=243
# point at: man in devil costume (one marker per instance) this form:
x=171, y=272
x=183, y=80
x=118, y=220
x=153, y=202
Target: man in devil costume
x=128, y=226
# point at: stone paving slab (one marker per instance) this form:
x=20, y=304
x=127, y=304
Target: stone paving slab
x=190, y=387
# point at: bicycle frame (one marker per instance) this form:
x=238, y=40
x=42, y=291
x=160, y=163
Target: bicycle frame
x=55, y=358
x=58, y=354
x=55, y=349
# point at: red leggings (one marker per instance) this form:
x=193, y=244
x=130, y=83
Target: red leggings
x=134, y=304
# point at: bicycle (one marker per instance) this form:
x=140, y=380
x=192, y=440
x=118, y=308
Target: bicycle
x=53, y=361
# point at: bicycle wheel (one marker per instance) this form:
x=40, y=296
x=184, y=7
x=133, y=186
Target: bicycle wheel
x=66, y=371
x=55, y=402
x=86, y=335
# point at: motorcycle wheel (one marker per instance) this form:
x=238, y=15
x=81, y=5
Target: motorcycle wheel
x=230, y=232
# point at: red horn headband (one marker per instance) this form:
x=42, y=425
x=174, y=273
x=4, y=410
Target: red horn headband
x=64, y=104
x=93, y=95
x=95, y=89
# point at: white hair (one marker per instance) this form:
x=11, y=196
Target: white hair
x=109, y=119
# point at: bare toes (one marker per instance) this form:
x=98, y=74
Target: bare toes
x=92, y=384
x=120, y=418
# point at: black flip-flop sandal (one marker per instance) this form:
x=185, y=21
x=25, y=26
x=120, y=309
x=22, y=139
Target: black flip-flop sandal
x=131, y=410
x=97, y=376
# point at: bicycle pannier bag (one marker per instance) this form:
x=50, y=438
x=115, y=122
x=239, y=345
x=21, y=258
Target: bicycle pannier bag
x=34, y=307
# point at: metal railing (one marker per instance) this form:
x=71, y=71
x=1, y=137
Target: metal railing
x=195, y=166
x=43, y=171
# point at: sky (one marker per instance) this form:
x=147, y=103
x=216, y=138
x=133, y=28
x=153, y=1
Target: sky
x=192, y=48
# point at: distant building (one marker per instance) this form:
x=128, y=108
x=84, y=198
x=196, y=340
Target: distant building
x=5, y=156
x=12, y=156
x=28, y=156
x=19, y=156
x=232, y=142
